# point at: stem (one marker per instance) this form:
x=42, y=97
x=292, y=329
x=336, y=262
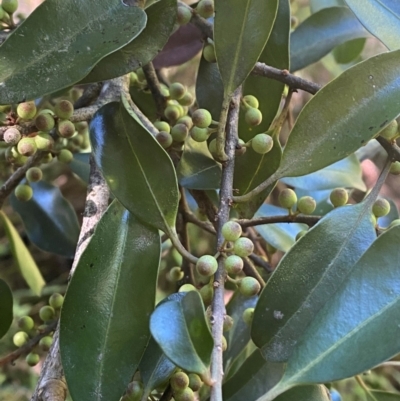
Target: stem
x=365, y=388
x=300, y=218
x=221, y=155
x=173, y=236
x=154, y=86
x=250, y=270
x=257, y=190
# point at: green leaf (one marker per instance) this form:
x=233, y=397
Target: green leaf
x=6, y=310
x=305, y=393
x=36, y=61
x=144, y=191
x=23, y=258
x=241, y=30
x=104, y=327
x=349, y=51
x=381, y=18
x=385, y=396
x=332, y=26
x=161, y=17
x=307, y=276
x=316, y=5
x=197, y=169
x=49, y=219
x=80, y=166
x=344, y=115
x=180, y=329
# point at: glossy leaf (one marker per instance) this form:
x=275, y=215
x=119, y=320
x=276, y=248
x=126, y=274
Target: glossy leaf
x=50, y=220
x=151, y=196
x=36, y=62
x=180, y=329
x=332, y=26
x=23, y=258
x=381, y=18
x=161, y=17
x=197, y=169
x=349, y=51
x=241, y=31
x=305, y=279
x=103, y=332
x=344, y=115
x=6, y=310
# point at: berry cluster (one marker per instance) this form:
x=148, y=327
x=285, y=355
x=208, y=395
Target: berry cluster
x=185, y=385
x=288, y=199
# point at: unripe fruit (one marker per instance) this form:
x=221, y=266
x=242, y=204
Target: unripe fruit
x=306, y=205
x=224, y=344
x=287, y=198
x=45, y=343
x=207, y=265
x=179, y=132
x=199, y=134
x=187, y=288
x=186, y=120
x=381, y=207
x=12, y=154
x=243, y=247
x=184, y=395
x=240, y=148
x=26, y=323
x=251, y=101
x=202, y=118
x=27, y=147
x=134, y=391
x=186, y=100
x=65, y=128
x=394, y=223
x=212, y=147
x=34, y=174
x=195, y=382
x=20, y=339
x=231, y=231
x=9, y=6
x=209, y=53
x=233, y=264
x=390, y=132
x=140, y=75
x=32, y=359
x=12, y=136
x=23, y=192
x=26, y=110
x=44, y=141
x=228, y=323
x=176, y=91
x=176, y=274
x=44, y=122
x=395, y=168
x=339, y=197
x=47, y=158
x=183, y=15
x=249, y=286
x=207, y=294
x=205, y=8
x=46, y=313
x=133, y=79
x=64, y=109
x=262, y=143
x=253, y=117
x=172, y=112
x=56, y=300
x=300, y=234
x=373, y=220
x=165, y=139
x=65, y=156
x=162, y=126
x=248, y=315
x=179, y=381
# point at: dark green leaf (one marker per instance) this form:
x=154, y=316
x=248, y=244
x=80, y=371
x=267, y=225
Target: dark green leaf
x=308, y=275
x=161, y=17
x=305, y=393
x=80, y=166
x=385, y=396
x=180, y=329
x=36, y=61
x=49, y=219
x=197, y=169
x=105, y=317
x=23, y=258
x=349, y=51
x=6, y=310
x=241, y=30
x=131, y=162
x=332, y=26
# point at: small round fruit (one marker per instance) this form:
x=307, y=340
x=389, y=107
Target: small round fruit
x=287, y=198
x=306, y=205
x=253, y=117
x=233, y=264
x=140, y=75
x=262, y=143
x=47, y=158
x=248, y=315
x=187, y=288
x=183, y=15
x=228, y=323
x=251, y=101
x=381, y=207
x=32, y=359
x=209, y=53
x=45, y=343
x=186, y=100
x=26, y=110
x=12, y=136
x=207, y=294
x=395, y=168
x=162, y=126
x=199, y=134
x=44, y=122
x=207, y=265
x=65, y=128
x=195, y=382
x=9, y=6
x=179, y=381
x=205, y=8
x=26, y=323
x=12, y=154
x=134, y=391
x=46, y=313
x=172, y=112
x=44, y=141
x=390, y=132
x=201, y=118
x=65, y=156
x=176, y=274
x=231, y=231
x=64, y=109
x=27, y=147
x=394, y=223
x=165, y=139
x=186, y=120
x=240, y=148
x=56, y=300
x=179, y=132
x=176, y=91
x=23, y=192
x=133, y=78
x=339, y=197
x=224, y=344
x=212, y=147
x=249, y=286
x=243, y=247
x=34, y=174
x=300, y=234
x=184, y=395
x=20, y=338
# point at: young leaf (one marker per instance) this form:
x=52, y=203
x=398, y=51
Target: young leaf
x=49, y=219
x=104, y=322
x=307, y=276
x=241, y=30
x=180, y=329
x=70, y=41
x=23, y=258
x=6, y=310
x=138, y=171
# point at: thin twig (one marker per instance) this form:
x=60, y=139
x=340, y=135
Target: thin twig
x=250, y=270
x=205, y=205
x=392, y=149
x=299, y=218
x=154, y=86
x=261, y=262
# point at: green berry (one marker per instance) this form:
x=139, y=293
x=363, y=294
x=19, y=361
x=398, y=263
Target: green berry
x=165, y=139
x=65, y=128
x=176, y=274
x=373, y=220
x=162, y=126
x=394, y=168
x=251, y=101
x=381, y=207
x=45, y=343
x=224, y=344
x=301, y=234
x=394, y=223
x=133, y=79
x=26, y=110
x=34, y=174
x=179, y=381
x=64, y=109
x=56, y=300
x=262, y=143
x=23, y=192
x=390, y=131
x=201, y=118
x=253, y=117
x=47, y=158
x=212, y=147
x=249, y=286
x=26, y=323
x=248, y=315
x=240, y=148
x=184, y=395
x=209, y=53
x=199, y=134
x=44, y=141
x=186, y=100
x=176, y=91
x=179, y=132
x=27, y=147
x=186, y=120
x=44, y=122
x=187, y=288
x=339, y=197
x=243, y=247
x=134, y=391
x=228, y=323
x=20, y=338
x=207, y=294
x=195, y=382
x=233, y=264
x=12, y=136
x=46, y=313
x=65, y=156
x=140, y=75
x=183, y=15
x=287, y=198
x=9, y=6
x=207, y=265
x=205, y=8
x=172, y=112
x=231, y=231
x=306, y=205
x=32, y=359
